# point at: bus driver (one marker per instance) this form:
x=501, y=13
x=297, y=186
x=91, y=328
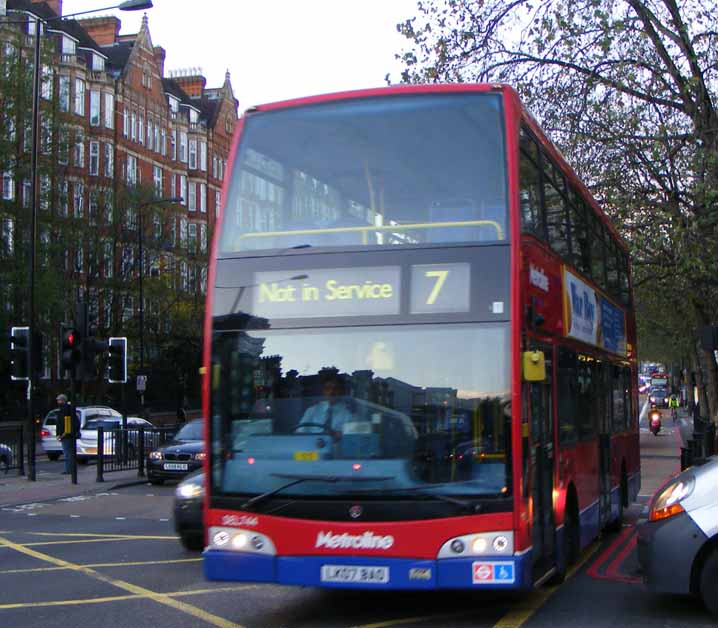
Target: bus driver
x=330, y=414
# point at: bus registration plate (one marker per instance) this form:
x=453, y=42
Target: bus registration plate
x=354, y=573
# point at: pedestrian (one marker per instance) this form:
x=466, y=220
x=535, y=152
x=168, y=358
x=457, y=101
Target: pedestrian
x=67, y=430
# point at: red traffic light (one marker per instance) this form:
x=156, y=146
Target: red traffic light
x=70, y=339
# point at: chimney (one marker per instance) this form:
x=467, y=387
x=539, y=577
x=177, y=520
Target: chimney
x=193, y=83
x=104, y=30
x=55, y=5
x=160, y=55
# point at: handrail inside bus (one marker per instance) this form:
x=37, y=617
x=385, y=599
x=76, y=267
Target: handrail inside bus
x=365, y=230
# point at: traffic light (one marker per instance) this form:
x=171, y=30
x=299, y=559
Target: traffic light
x=117, y=367
x=19, y=353
x=70, y=352
x=91, y=347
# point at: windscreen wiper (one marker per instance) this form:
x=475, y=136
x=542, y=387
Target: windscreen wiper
x=298, y=479
x=465, y=504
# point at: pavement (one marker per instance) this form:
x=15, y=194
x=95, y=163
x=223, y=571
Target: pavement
x=50, y=484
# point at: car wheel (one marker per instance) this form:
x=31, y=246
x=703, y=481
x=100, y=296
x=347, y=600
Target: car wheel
x=709, y=582
x=5, y=463
x=192, y=542
x=53, y=455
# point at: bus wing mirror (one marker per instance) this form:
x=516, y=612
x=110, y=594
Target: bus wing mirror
x=534, y=366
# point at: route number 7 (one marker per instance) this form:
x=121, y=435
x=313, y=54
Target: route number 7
x=440, y=278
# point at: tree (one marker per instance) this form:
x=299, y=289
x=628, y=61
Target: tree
x=626, y=88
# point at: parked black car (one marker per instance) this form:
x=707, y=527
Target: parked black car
x=188, y=511
x=182, y=455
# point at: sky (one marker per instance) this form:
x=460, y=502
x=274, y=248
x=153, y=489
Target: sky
x=275, y=49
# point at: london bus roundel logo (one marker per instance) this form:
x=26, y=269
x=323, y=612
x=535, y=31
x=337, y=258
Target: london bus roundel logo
x=356, y=511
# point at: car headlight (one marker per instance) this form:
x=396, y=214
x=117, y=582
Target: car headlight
x=191, y=490
x=200, y=456
x=668, y=502
x=652, y=399
x=155, y=455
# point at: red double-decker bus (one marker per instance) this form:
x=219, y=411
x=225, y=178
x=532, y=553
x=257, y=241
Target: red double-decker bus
x=420, y=348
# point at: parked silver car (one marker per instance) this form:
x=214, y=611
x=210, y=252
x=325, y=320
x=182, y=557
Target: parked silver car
x=50, y=445
x=678, y=545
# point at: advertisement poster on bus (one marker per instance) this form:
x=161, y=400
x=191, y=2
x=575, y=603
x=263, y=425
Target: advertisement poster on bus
x=580, y=309
x=592, y=318
x=542, y=278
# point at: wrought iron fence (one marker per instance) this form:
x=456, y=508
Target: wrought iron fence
x=12, y=441
x=127, y=449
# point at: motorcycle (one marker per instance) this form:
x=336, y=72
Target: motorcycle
x=654, y=420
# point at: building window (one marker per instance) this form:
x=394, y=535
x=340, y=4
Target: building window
x=150, y=134
x=192, y=196
x=93, y=207
x=203, y=238
x=94, y=158
x=47, y=79
x=44, y=191
x=109, y=160
x=217, y=203
x=157, y=137
x=79, y=200
x=141, y=128
x=183, y=147
x=125, y=123
x=94, y=108
x=173, y=145
x=8, y=186
x=79, y=97
x=69, y=46
x=163, y=142
x=173, y=184
x=203, y=156
x=183, y=232
x=26, y=193
x=45, y=135
x=79, y=149
x=193, y=154
x=8, y=237
x=203, y=198
x=64, y=199
x=110, y=111
x=131, y=169
x=108, y=208
x=98, y=63
x=64, y=89
x=156, y=226
x=157, y=177
x=63, y=148
x=192, y=237
x=214, y=166
x=183, y=189
x=133, y=126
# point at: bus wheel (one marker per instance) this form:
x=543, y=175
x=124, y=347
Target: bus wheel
x=571, y=535
x=617, y=524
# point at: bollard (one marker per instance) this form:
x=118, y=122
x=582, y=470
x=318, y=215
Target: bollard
x=21, y=450
x=141, y=452
x=100, y=454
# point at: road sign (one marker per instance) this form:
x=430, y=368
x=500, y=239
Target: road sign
x=141, y=383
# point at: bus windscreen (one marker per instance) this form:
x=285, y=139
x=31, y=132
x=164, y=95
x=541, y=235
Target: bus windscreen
x=381, y=171
x=390, y=411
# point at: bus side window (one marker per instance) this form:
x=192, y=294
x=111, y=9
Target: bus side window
x=556, y=216
x=530, y=195
x=589, y=403
x=567, y=391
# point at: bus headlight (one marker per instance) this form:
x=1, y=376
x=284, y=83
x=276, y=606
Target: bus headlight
x=479, y=544
x=234, y=539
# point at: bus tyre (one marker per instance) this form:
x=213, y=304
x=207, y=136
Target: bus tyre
x=192, y=542
x=571, y=537
x=709, y=582
x=617, y=524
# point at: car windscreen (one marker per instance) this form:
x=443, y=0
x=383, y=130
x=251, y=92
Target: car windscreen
x=191, y=431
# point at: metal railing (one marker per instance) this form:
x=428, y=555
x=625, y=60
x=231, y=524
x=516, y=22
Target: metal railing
x=12, y=447
x=127, y=449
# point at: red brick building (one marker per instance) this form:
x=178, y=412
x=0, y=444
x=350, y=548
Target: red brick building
x=114, y=120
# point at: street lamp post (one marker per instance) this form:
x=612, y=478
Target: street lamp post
x=140, y=276
x=128, y=5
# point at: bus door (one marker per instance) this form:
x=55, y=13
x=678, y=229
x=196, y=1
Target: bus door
x=542, y=466
x=604, y=445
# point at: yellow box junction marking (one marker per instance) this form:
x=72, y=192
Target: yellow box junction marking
x=160, y=598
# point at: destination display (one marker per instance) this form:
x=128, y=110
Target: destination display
x=591, y=317
x=361, y=291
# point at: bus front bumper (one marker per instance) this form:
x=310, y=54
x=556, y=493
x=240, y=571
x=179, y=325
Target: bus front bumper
x=359, y=572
